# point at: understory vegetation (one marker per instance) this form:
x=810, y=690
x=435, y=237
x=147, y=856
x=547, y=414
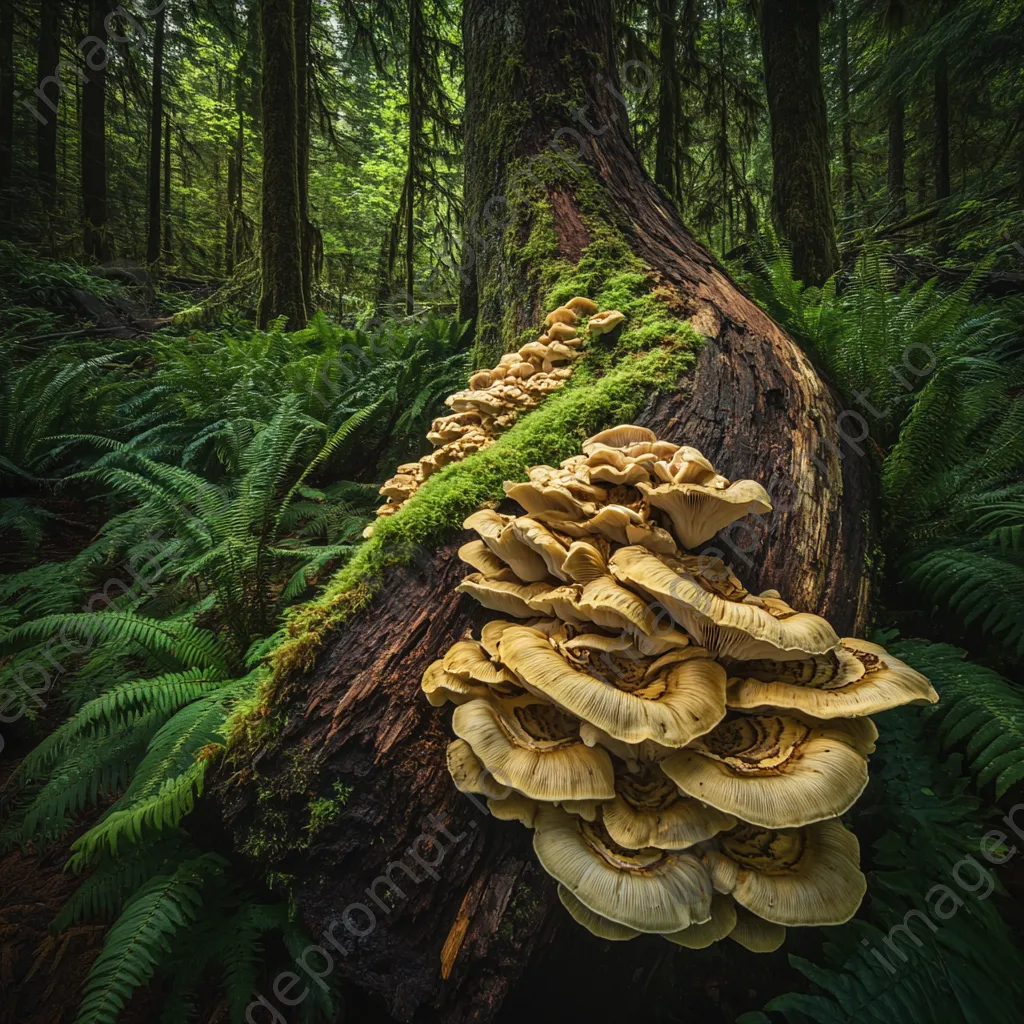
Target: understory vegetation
x=233, y=479
x=203, y=386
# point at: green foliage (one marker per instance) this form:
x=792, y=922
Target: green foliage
x=981, y=712
x=963, y=968
x=231, y=471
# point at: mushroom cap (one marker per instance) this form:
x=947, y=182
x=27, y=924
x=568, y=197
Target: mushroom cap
x=561, y=332
x=480, y=380
x=492, y=632
x=773, y=770
x=538, y=498
x=400, y=487
x=468, y=660
x=698, y=512
x=582, y=306
x=700, y=936
x=538, y=538
x=606, y=322
x=477, y=554
x=506, y=595
x=584, y=562
x=469, y=775
x=687, y=465
x=862, y=679
x=648, y=810
x=646, y=890
x=673, y=708
x=803, y=876
x=756, y=934
x=498, y=533
x=594, y=923
x=733, y=629
x=534, y=747
x=619, y=437
x=613, y=606
x=562, y=315
x=513, y=807
x=442, y=686
x=534, y=351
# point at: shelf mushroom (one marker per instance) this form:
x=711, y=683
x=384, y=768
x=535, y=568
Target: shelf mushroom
x=680, y=747
x=806, y=876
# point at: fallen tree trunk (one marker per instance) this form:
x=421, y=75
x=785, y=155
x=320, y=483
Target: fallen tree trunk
x=429, y=909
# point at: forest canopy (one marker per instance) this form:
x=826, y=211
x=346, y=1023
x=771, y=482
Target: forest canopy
x=318, y=318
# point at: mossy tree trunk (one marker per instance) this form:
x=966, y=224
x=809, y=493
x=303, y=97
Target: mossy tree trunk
x=665, y=162
x=801, y=199
x=156, y=142
x=552, y=182
x=6, y=115
x=168, y=243
x=281, y=242
x=896, y=184
x=303, y=92
x=94, y=140
x=48, y=76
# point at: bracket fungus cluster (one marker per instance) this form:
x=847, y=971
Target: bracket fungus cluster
x=495, y=398
x=681, y=748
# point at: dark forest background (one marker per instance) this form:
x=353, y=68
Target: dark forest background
x=209, y=211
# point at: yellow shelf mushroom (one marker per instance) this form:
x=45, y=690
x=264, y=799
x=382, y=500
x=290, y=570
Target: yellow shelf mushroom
x=680, y=747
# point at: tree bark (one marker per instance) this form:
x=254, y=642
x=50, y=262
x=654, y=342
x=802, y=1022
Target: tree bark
x=94, y=137
x=415, y=126
x=50, y=89
x=6, y=117
x=281, y=242
x=943, y=186
x=156, y=141
x=896, y=171
x=668, y=98
x=844, y=105
x=303, y=27
x=448, y=946
x=801, y=199
x=168, y=253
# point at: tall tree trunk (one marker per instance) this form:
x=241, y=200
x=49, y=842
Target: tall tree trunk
x=942, y=173
x=724, y=153
x=668, y=97
x=412, y=167
x=303, y=27
x=168, y=254
x=896, y=172
x=801, y=199
x=229, y=232
x=235, y=228
x=844, y=105
x=49, y=93
x=156, y=141
x=752, y=402
x=6, y=116
x=281, y=242
x=94, y=138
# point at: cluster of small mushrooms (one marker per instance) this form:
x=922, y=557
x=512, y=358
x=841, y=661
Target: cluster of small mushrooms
x=495, y=398
x=682, y=748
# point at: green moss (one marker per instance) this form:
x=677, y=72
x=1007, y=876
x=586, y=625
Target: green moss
x=324, y=811
x=652, y=350
x=603, y=390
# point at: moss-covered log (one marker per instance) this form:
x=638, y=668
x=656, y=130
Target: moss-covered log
x=558, y=205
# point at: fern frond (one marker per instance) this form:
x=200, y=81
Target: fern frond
x=138, y=941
